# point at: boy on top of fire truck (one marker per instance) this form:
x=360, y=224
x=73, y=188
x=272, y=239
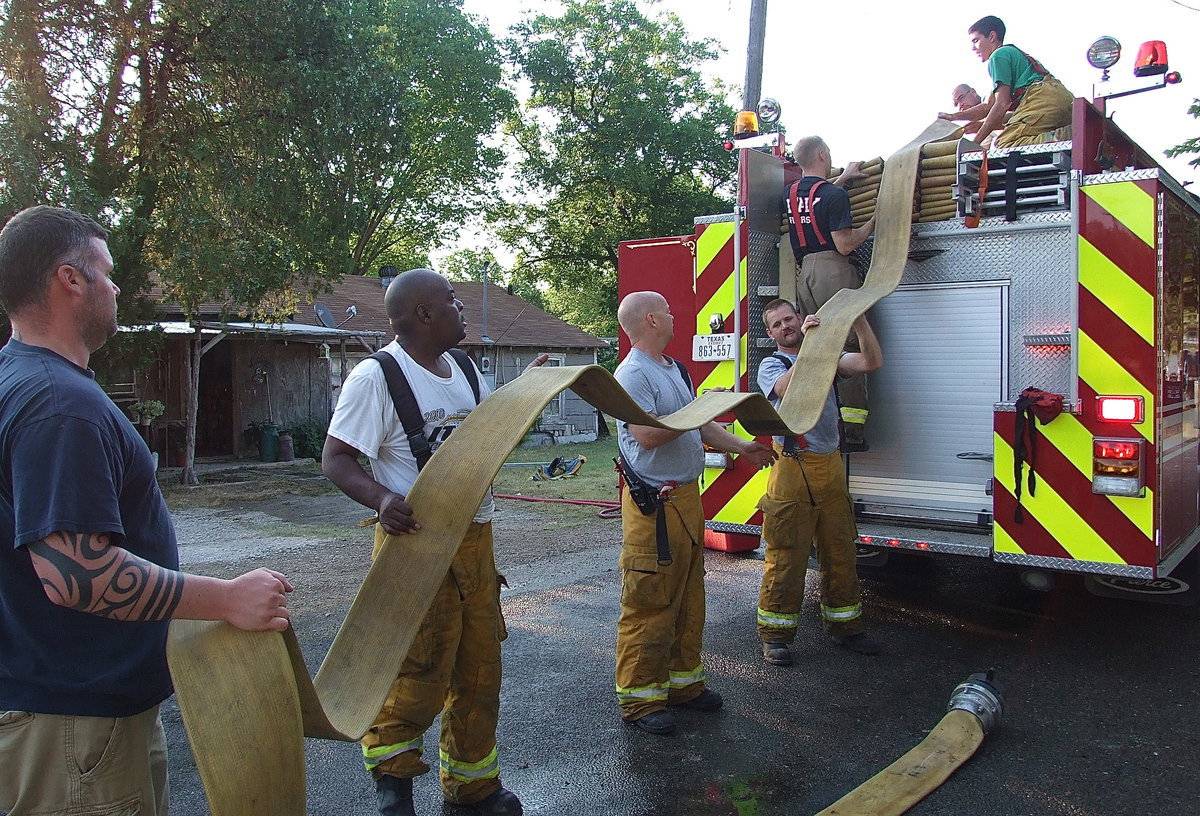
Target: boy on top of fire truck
x=1037, y=102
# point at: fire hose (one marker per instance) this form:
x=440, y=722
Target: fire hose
x=973, y=712
x=606, y=513
x=247, y=698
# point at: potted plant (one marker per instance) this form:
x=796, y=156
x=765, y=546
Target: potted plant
x=146, y=411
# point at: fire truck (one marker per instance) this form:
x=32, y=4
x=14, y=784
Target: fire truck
x=1079, y=278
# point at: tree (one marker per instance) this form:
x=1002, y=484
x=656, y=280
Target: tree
x=245, y=149
x=1191, y=145
x=469, y=265
x=621, y=138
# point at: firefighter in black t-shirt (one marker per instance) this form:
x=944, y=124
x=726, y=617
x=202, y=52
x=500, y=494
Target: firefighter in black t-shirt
x=822, y=236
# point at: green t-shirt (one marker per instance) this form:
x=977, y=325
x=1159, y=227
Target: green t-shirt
x=1009, y=66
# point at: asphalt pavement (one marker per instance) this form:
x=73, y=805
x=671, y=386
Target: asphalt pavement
x=1100, y=711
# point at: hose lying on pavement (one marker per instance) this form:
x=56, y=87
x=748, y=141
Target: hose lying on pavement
x=974, y=711
x=247, y=698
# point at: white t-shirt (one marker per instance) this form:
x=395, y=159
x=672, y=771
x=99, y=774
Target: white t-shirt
x=366, y=420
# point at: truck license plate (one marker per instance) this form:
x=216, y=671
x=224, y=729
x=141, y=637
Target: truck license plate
x=709, y=347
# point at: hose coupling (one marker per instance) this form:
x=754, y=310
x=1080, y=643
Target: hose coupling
x=982, y=695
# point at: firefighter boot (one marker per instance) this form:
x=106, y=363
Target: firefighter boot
x=500, y=803
x=861, y=643
x=395, y=796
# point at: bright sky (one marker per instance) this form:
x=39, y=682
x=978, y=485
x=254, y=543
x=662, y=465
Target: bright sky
x=869, y=75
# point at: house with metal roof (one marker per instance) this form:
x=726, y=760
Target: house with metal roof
x=288, y=374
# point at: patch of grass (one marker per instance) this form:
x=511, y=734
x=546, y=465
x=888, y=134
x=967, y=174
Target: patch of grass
x=238, y=486
x=596, y=481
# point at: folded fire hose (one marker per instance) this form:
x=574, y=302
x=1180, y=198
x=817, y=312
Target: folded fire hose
x=974, y=711
x=247, y=698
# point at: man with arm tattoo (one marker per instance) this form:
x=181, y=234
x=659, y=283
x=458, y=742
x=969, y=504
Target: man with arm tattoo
x=89, y=568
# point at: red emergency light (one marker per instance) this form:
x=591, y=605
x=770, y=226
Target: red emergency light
x=1151, y=59
x=1126, y=449
x=1131, y=410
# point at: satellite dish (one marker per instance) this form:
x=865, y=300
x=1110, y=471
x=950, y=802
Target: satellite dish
x=324, y=315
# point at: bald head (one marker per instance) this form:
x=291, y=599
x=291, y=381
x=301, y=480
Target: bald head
x=635, y=308
x=422, y=309
x=408, y=290
x=808, y=151
x=964, y=96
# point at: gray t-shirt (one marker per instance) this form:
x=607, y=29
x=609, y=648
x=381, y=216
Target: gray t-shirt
x=659, y=389
x=823, y=438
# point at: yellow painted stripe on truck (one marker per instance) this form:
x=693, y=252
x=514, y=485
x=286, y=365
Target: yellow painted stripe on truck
x=744, y=504
x=1116, y=290
x=1106, y=376
x=711, y=241
x=721, y=302
x=1129, y=204
x=1054, y=514
x=1074, y=442
x=1003, y=542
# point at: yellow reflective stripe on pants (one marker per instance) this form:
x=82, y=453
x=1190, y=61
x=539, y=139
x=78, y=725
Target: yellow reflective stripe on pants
x=841, y=613
x=379, y=753
x=778, y=620
x=856, y=415
x=655, y=691
x=486, y=768
x=683, y=679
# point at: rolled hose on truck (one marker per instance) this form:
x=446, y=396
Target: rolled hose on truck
x=973, y=712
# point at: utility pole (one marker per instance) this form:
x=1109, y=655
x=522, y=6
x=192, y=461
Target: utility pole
x=752, y=89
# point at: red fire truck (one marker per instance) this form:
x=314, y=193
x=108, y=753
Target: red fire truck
x=1081, y=279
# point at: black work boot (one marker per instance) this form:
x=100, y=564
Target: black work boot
x=500, y=803
x=395, y=796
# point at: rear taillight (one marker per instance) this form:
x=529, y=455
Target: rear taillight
x=1117, y=467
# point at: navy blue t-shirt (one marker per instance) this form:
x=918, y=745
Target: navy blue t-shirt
x=831, y=207
x=70, y=460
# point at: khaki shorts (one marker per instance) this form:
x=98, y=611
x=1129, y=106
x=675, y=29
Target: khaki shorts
x=82, y=766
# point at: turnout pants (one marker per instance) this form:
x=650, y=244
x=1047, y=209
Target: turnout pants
x=661, y=627
x=806, y=502
x=822, y=275
x=84, y=766
x=452, y=667
x=1044, y=106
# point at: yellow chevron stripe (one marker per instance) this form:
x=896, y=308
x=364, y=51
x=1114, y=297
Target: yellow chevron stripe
x=1074, y=442
x=720, y=377
x=710, y=242
x=1058, y=517
x=1106, y=376
x=744, y=504
x=721, y=301
x=1115, y=289
x=1129, y=204
x=1003, y=542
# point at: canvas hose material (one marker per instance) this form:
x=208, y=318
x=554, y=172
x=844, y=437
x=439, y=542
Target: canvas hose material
x=975, y=709
x=247, y=698
x=909, y=779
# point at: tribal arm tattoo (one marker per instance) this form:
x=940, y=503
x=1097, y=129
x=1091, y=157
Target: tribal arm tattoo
x=84, y=571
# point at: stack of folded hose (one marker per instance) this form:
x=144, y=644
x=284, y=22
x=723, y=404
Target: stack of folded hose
x=935, y=183
x=933, y=199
